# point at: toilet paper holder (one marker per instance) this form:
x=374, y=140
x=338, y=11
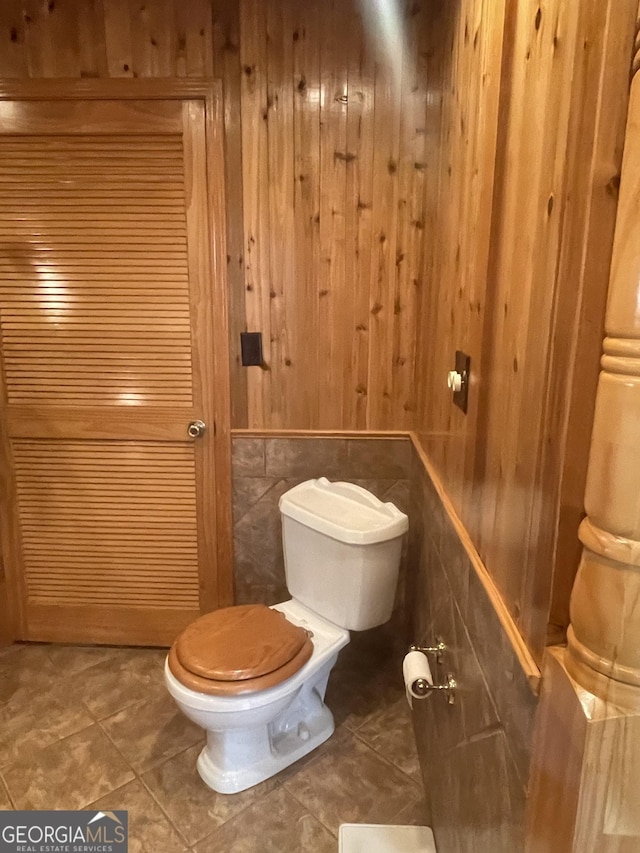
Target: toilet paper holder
x=437, y=651
x=421, y=686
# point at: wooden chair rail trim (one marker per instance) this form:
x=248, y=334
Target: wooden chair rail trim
x=319, y=433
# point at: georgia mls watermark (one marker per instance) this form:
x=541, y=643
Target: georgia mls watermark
x=63, y=832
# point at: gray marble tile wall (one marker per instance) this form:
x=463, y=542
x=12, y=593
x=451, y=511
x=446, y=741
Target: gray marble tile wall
x=264, y=468
x=474, y=754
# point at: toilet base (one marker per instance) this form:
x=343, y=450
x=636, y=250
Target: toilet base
x=273, y=751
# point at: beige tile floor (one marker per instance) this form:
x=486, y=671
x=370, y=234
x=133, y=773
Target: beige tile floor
x=85, y=727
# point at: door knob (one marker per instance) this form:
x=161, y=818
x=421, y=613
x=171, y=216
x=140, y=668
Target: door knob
x=196, y=429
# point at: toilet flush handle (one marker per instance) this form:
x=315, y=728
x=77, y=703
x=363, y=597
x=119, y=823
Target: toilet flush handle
x=196, y=429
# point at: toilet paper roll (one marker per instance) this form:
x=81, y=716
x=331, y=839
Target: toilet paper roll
x=415, y=666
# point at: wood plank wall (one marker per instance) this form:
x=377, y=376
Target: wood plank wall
x=524, y=297
x=333, y=155
x=325, y=175
x=389, y=204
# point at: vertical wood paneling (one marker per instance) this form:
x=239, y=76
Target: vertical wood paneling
x=328, y=283
x=450, y=55
x=92, y=38
x=596, y=135
x=226, y=66
x=464, y=65
x=411, y=213
x=358, y=218
x=306, y=146
x=255, y=211
x=118, y=38
x=383, y=304
x=153, y=38
x=13, y=52
x=280, y=190
x=52, y=38
x=194, y=41
x=325, y=180
x=541, y=96
x=334, y=165
x=519, y=316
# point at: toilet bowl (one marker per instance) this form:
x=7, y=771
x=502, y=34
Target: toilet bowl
x=252, y=736
x=255, y=677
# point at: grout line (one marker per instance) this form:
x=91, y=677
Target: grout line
x=249, y=805
x=86, y=803
x=251, y=501
x=127, y=760
x=100, y=719
x=113, y=651
x=309, y=812
x=407, y=805
x=108, y=794
x=113, y=743
x=34, y=752
x=7, y=791
x=419, y=787
x=190, y=845
x=387, y=760
x=179, y=832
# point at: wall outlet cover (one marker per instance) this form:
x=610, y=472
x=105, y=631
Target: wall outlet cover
x=251, y=349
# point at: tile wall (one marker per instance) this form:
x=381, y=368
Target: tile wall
x=475, y=754
x=265, y=468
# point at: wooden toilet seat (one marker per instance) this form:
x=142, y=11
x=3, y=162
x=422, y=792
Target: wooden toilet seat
x=241, y=649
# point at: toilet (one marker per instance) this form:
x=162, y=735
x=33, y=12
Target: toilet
x=254, y=677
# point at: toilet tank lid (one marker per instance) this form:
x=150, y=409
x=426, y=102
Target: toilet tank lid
x=343, y=511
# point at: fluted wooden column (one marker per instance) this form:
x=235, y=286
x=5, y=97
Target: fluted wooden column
x=604, y=637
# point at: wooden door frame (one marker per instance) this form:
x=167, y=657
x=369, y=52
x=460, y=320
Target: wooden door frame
x=210, y=93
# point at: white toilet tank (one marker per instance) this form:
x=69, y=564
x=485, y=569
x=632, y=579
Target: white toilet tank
x=342, y=551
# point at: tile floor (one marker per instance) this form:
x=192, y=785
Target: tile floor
x=94, y=727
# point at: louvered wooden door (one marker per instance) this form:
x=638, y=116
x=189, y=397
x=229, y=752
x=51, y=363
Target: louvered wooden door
x=107, y=339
